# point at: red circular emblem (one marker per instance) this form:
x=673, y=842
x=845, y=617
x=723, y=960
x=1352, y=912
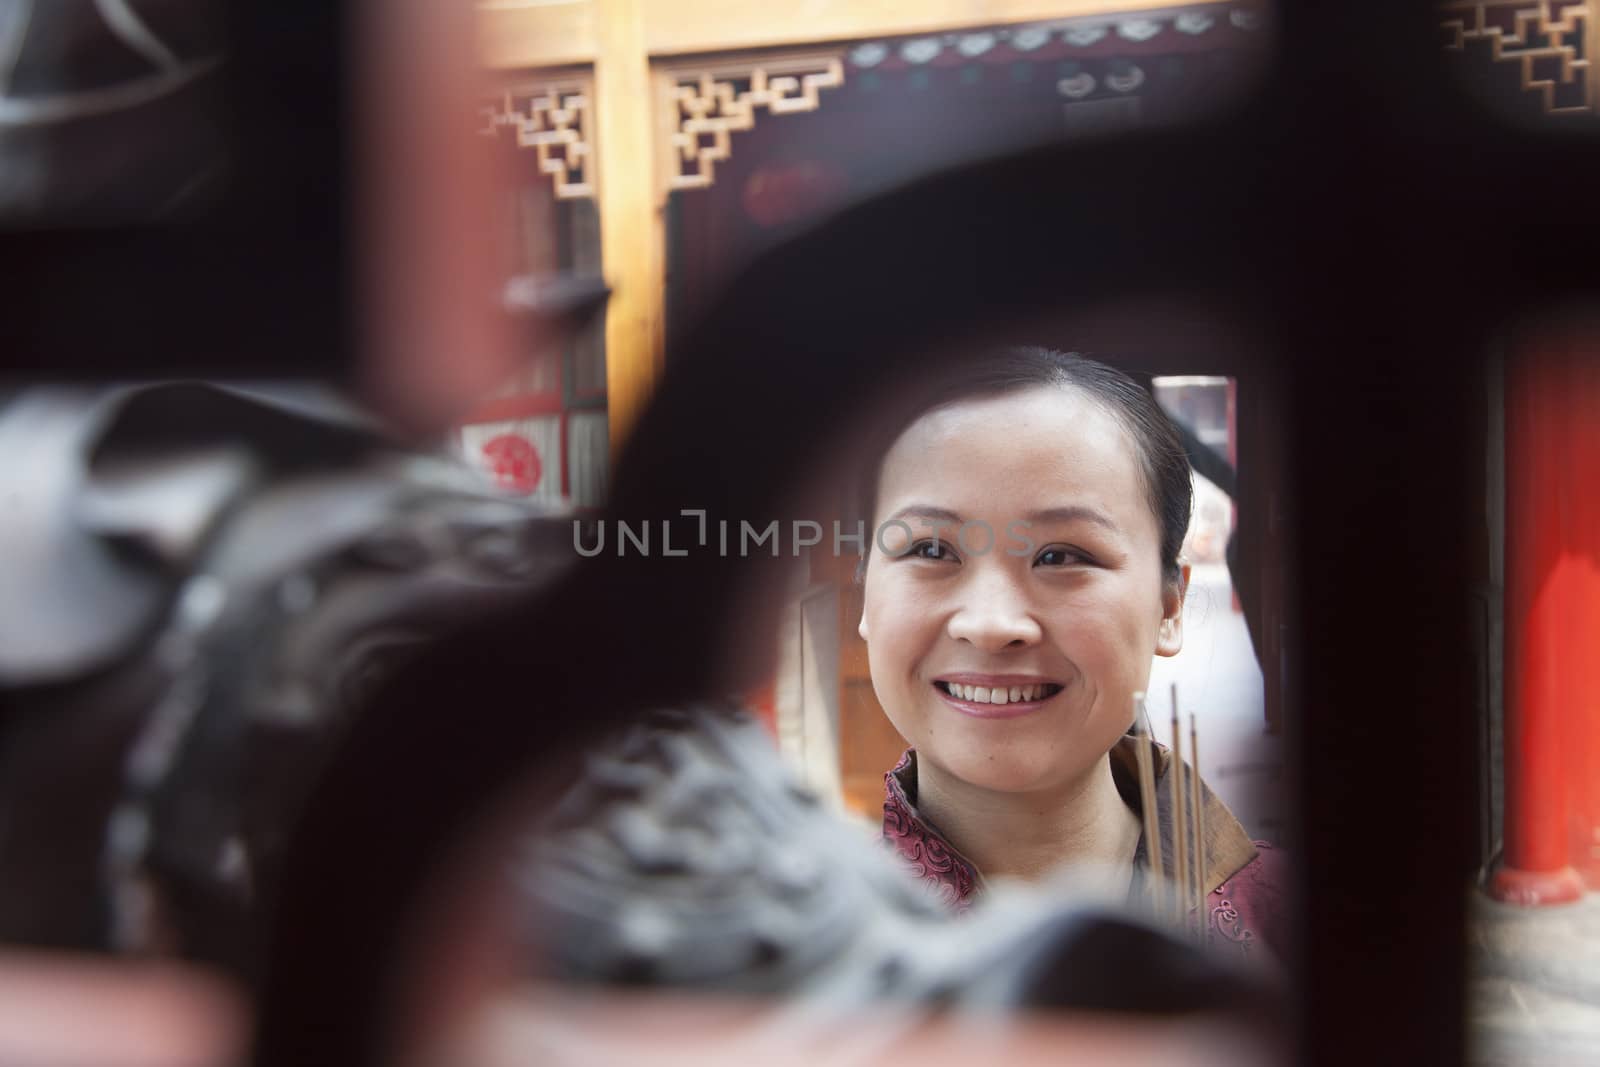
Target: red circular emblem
x=514, y=462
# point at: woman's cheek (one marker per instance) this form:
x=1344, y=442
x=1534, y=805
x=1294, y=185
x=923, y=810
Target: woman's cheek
x=1111, y=625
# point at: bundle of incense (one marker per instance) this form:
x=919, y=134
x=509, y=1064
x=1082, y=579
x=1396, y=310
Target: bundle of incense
x=1147, y=804
x=1180, y=822
x=1199, y=826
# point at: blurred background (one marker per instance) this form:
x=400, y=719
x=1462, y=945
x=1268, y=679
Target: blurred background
x=455, y=243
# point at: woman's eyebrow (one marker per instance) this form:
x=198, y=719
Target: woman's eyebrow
x=1074, y=513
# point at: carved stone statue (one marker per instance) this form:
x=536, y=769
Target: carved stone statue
x=685, y=856
x=201, y=585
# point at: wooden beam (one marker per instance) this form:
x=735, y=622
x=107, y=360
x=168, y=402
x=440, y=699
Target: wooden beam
x=632, y=237
x=543, y=33
x=676, y=27
x=520, y=34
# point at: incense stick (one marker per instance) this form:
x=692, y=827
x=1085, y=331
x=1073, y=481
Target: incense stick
x=1180, y=821
x=1147, y=802
x=1198, y=815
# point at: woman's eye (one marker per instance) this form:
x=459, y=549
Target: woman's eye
x=932, y=550
x=1059, y=556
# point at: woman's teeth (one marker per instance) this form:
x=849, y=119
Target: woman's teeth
x=983, y=694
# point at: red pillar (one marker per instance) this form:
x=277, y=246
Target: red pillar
x=1583, y=768
x=1545, y=653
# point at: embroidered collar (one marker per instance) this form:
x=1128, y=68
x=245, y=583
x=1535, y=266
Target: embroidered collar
x=1227, y=847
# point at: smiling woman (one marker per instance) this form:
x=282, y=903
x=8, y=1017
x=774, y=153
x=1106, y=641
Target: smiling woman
x=1025, y=574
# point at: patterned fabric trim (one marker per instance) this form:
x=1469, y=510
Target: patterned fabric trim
x=929, y=856
x=1245, y=908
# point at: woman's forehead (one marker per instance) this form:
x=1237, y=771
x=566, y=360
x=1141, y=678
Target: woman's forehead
x=1035, y=442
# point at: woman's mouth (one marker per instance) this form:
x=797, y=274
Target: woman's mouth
x=998, y=699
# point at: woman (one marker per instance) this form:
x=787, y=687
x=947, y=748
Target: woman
x=1024, y=572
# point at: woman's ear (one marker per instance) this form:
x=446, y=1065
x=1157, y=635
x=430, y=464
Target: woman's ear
x=1169, y=637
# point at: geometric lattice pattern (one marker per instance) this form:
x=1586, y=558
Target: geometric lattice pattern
x=551, y=116
x=1548, y=41
x=709, y=103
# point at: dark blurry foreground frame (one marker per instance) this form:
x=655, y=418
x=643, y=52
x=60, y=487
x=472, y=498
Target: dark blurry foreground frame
x=1366, y=214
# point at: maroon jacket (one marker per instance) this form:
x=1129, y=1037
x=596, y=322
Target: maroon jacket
x=1245, y=881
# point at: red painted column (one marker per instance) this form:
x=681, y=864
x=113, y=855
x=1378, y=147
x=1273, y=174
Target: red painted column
x=1540, y=606
x=1583, y=483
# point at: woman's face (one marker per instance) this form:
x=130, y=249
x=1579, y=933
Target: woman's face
x=1009, y=660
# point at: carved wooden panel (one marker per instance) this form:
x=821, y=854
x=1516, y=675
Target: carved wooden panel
x=1530, y=32
x=707, y=103
x=551, y=116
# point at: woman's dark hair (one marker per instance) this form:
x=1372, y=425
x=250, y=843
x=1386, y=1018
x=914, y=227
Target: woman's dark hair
x=1163, y=462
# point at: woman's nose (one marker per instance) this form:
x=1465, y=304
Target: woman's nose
x=993, y=615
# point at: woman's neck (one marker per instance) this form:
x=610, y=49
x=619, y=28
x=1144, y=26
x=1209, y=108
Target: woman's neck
x=1030, y=835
